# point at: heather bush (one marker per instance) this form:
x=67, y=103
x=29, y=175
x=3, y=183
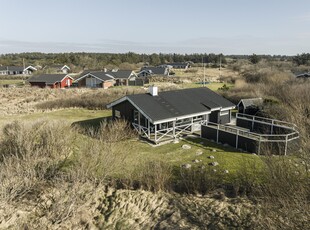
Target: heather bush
x=31, y=155
x=154, y=176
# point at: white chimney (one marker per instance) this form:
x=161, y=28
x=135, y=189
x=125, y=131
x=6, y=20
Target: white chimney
x=153, y=90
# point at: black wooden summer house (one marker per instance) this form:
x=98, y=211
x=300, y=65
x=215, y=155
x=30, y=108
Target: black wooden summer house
x=162, y=116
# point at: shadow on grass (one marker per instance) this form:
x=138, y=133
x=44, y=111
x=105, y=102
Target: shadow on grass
x=93, y=124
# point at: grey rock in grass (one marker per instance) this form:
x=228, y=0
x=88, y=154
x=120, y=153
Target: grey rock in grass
x=186, y=147
x=214, y=170
x=196, y=161
x=176, y=141
x=226, y=171
x=186, y=166
x=198, y=152
x=214, y=150
x=214, y=163
x=211, y=157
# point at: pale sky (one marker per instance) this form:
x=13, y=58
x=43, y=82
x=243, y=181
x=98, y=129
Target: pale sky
x=153, y=26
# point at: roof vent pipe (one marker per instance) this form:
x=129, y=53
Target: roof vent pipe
x=153, y=90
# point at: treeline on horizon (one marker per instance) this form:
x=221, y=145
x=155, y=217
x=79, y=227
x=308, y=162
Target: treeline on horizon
x=102, y=60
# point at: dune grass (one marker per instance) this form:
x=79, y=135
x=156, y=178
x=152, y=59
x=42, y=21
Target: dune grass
x=12, y=82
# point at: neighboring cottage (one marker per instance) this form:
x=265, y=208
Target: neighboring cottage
x=16, y=70
x=51, y=80
x=151, y=71
x=177, y=65
x=106, y=79
x=167, y=115
x=123, y=77
x=95, y=79
x=250, y=106
x=303, y=75
x=59, y=69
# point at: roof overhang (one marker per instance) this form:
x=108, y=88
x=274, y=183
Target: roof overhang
x=65, y=66
x=66, y=77
x=30, y=67
x=228, y=108
x=181, y=117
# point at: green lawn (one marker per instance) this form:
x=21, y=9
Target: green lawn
x=69, y=115
x=228, y=158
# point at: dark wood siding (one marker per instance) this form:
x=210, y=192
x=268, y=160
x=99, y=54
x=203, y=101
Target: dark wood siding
x=38, y=84
x=126, y=110
x=224, y=119
x=214, y=117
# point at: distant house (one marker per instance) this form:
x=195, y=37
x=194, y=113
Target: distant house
x=58, y=69
x=151, y=71
x=122, y=77
x=303, y=75
x=106, y=79
x=160, y=116
x=51, y=80
x=250, y=106
x=177, y=65
x=95, y=79
x=16, y=70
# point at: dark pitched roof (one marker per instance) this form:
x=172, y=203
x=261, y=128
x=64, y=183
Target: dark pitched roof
x=109, y=75
x=120, y=74
x=47, y=78
x=178, y=64
x=12, y=68
x=155, y=70
x=178, y=103
x=251, y=102
x=300, y=75
x=104, y=76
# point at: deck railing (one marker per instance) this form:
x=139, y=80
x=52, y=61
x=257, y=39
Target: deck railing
x=239, y=131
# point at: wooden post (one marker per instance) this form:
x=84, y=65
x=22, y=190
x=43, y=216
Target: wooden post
x=258, y=152
x=192, y=126
x=237, y=139
x=217, y=134
x=139, y=122
x=155, y=134
x=173, y=129
x=148, y=129
x=252, y=123
x=285, y=150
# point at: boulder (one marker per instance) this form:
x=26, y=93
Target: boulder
x=198, y=152
x=186, y=147
x=186, y=166
x=196, y=161
x=211, y=157
x=214, y=163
